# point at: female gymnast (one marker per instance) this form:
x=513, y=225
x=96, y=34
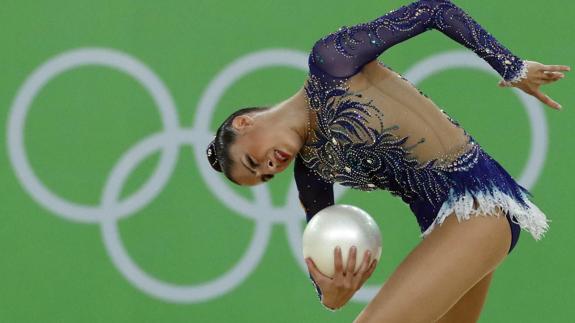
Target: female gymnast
x=357, y=122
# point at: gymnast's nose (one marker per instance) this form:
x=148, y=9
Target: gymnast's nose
x=273, y=164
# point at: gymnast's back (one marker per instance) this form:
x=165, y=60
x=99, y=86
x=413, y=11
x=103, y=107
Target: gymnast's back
x=395, y=106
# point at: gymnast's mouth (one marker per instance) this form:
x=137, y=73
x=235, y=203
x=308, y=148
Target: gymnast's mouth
x=281, y=156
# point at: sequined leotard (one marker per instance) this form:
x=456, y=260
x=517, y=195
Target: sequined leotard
x=391, y=136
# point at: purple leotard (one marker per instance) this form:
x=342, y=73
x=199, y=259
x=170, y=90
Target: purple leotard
x=361, y=141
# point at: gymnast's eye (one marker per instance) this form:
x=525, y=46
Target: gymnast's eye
x=252, y=163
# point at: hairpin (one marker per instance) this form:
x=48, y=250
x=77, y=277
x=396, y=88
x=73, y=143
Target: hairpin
x=212, y=156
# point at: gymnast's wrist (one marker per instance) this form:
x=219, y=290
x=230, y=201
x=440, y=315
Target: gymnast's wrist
x=330, y=307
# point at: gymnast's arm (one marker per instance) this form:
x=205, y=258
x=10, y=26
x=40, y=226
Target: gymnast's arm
x=314, y=195
x=344, y=52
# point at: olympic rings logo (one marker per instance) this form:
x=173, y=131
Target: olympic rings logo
x=168, y=141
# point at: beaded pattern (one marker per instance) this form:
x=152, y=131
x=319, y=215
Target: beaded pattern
x=347, y=150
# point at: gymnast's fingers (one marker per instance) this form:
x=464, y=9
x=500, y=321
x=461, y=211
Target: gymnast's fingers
x=351, y=260
x=554, y=68
x=314, y=271
x=541, y=81
x=369, y=271
x=546, y=99
x=338, y=261
x=360, y=274
x=547, y=75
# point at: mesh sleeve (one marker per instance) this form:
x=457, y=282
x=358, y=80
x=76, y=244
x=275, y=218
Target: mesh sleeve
x=314, y=195
x=344, y=52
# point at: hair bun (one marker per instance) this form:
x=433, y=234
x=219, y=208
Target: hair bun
x=213, y=157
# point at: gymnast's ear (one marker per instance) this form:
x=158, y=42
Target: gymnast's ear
x=242, y=123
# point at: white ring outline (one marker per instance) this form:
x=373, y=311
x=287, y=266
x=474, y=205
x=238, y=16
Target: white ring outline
x=173, y=137
x=29, y=90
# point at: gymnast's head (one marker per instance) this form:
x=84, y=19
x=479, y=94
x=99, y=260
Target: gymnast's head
x=252, y=145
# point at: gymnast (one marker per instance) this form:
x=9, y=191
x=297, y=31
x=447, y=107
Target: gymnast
x=357, y=122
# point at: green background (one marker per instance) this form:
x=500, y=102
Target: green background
x=56, y=270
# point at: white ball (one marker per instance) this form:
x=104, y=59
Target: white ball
x=344, y=226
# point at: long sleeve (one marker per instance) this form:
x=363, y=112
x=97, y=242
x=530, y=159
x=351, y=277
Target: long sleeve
x=314, y=195
x=344, y=52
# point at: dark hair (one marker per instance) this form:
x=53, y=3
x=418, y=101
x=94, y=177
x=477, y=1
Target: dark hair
x=218, y=150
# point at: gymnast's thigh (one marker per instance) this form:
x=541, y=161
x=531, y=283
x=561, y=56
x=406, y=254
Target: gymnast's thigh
x=440, y=270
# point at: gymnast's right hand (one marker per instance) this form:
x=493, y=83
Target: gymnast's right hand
x=338, y=290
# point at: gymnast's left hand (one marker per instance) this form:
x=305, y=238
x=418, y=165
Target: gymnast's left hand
x=537, y=75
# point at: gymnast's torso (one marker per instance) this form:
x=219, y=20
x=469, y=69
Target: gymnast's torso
x=406, y=113
x=376, y=130
x=370, y=128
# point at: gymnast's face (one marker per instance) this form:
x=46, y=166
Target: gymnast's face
x=260, y=150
